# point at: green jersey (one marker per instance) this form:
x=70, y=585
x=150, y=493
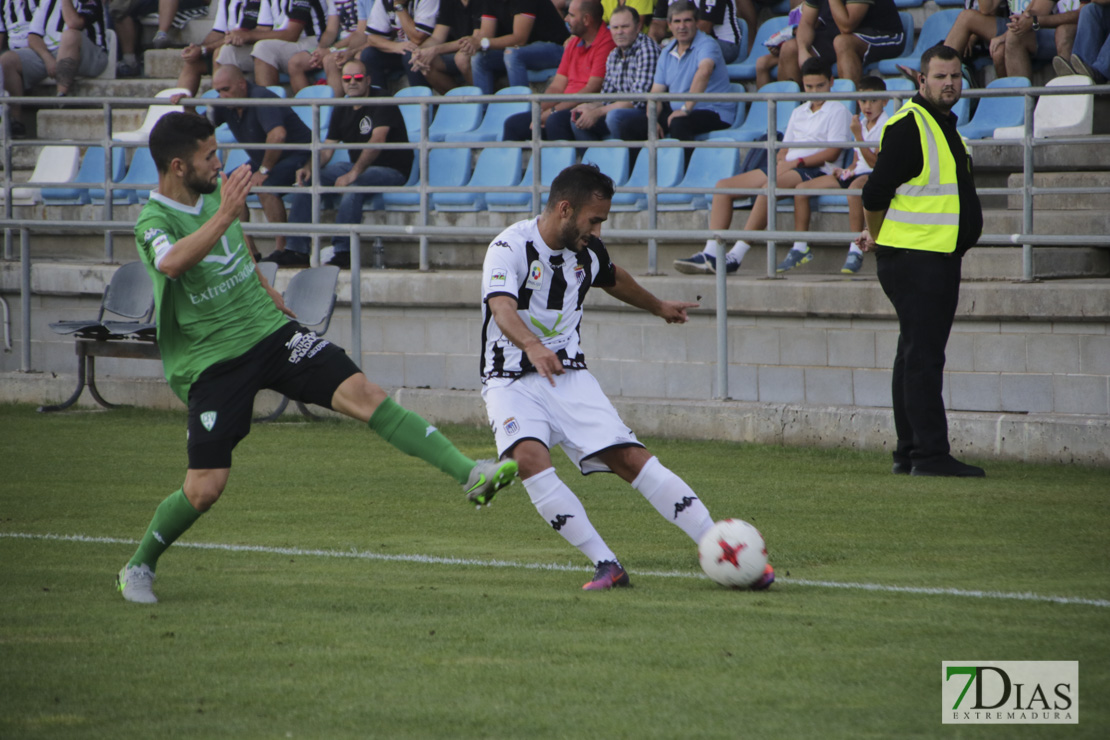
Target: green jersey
x=214, y=312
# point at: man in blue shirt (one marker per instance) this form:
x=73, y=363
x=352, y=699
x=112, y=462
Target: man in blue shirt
x=693, y=63
x=264, y=125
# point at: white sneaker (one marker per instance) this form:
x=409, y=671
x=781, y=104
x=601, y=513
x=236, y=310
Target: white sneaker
x=136, y=583
x=487, y=477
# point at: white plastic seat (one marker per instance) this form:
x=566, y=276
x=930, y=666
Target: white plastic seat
x=1059, y=115
x=55, y=164
x=153, y=113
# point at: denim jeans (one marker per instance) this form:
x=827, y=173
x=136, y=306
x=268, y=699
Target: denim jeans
x=1092, y=39
x=628, y=124
x=350, y=204
x=515, y=63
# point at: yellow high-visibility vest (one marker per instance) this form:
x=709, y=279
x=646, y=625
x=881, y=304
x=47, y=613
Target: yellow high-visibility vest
x=925, y=211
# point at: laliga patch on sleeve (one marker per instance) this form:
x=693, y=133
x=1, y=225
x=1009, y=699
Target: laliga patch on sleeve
x=498, y=277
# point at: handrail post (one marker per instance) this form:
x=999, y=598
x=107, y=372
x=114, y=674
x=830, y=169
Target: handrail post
x=356, y=296
x=109, y=196
x=772, y=177
x=652, y=189
x=422, y=185
x=537, y=159
x=1027, y=190
x=314, y=167
x=25, y=299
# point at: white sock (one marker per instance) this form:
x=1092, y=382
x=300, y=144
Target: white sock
x=739, y=249
x=853, y=248
x=673, y=498
x=801, y=246
x=710, y=248
x=558, y=505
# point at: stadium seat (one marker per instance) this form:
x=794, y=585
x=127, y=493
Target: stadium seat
x=91, y=171
x=738, y=121
x=907, y=29
x=612, y=161
x=668, y=171
x=142, y=174
x=495, y=168
x=950, y=3
x=745, y=70
x=153, y=113
x=446, y=168
x=54, y=164
x=456, y=118
x=904, y=4
x=896, y=84
x=129, y=294
x=492, y=126
x=411, y=112
x=305, y=111
x=203, y=109
x=933, y=31
x=995, y=113
x=843, y=85
x=112, y=46
x=706, y=167
x=278, y=90
x=553, y=160
x=1058, y=115
x=541, y=76
x=755, y=124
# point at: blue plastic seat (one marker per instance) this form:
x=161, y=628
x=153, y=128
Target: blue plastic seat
x=707, y=166
x=745, y=70
x=541, y=76
x=411, y=112
x=495, y=168
x=933, y=31
x=553, y=160
x=755, y=124
x=846, y=85
x=446, y=168
x=305, y=111
x=278, y=90
x=91, y=171
x=492, y=126
x=995, y=113
x=142, y=173
x=903, y=4
x=898, y=83
x=612, y=161
x=377, y=202
x=457, y=118
x=907, y=44
x=669, y=164
x=741, y=108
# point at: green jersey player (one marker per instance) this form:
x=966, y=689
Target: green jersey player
x=225, y=334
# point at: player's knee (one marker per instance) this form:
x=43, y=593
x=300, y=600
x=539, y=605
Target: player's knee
x=203, y=492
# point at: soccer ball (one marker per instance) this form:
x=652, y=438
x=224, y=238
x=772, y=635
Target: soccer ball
x=733, y=553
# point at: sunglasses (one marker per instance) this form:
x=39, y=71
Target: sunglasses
x=356, y=78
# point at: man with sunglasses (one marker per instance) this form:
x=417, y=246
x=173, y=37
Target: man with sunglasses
x=366, y=168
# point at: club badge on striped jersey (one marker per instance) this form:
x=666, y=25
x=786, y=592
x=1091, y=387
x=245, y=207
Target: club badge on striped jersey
x=579, y=274
x=535, y=275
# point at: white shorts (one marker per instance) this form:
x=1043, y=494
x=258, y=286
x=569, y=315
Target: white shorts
x=575, y=414
x=277, y=53
x=236, y=56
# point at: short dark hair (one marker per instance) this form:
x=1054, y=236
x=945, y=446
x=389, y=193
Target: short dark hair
x=941, y=52
x=591, y=8
x=627, y=9
x=816, y=66
x=871, y=83
x=579, y=183
x=683, y=6
x=177, y=136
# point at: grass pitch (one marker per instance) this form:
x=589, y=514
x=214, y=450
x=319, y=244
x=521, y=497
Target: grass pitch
x=340, y=589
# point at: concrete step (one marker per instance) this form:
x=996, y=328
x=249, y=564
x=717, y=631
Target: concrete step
x=85, y=123
x=1064, y=202
x=163, y=63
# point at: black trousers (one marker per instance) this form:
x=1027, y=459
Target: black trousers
x=924, y=288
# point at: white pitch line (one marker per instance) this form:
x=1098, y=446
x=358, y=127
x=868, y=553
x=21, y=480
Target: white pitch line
x=433, y=560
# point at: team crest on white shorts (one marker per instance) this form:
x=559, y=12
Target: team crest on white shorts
x=535, y=276
x=511, y=427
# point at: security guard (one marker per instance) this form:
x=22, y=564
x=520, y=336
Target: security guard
x=923, y=214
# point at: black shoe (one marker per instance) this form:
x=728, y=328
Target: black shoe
x=19, y=131
x=287, y=258
x=901, y=467
x=342, y=260
x=948, y=467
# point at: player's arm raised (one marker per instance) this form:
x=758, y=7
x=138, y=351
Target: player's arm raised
x=631, y=292
x=503, y=308
x=190, y=250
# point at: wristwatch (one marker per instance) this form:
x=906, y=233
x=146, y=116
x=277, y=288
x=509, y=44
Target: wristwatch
x=1036, y=24
x=263, y=170
x=484, y=43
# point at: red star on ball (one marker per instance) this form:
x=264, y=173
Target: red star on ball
x=730, y=553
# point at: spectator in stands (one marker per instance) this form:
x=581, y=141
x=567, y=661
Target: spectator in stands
x=396, y=29
x=297, y=26
x=231, y=16
x=1091, y=50
x=765, y=64
x=581, y=71
x=445, y=55
x=692, y=63
x=517, y=36
x=853, y=178
x=350, y=44
x=344, y=18
x=361, y=124
x=849, y=34
x=15, y=27
x=979, y=23
x=643, y=9
x=1030, y=35
x=263, y=125
x=716, y=18
x=66, y=39
x=125, y=19
x=630, y=68
x=818, y=122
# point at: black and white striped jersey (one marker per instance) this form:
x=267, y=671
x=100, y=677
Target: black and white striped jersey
x=549, y=287
x=312, y=13
x=233, y=14
x=15, y=20
x=49, y=23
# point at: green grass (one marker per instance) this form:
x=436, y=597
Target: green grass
x=249, y=644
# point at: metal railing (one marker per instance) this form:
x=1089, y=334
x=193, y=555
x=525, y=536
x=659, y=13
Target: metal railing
x=423, y=229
